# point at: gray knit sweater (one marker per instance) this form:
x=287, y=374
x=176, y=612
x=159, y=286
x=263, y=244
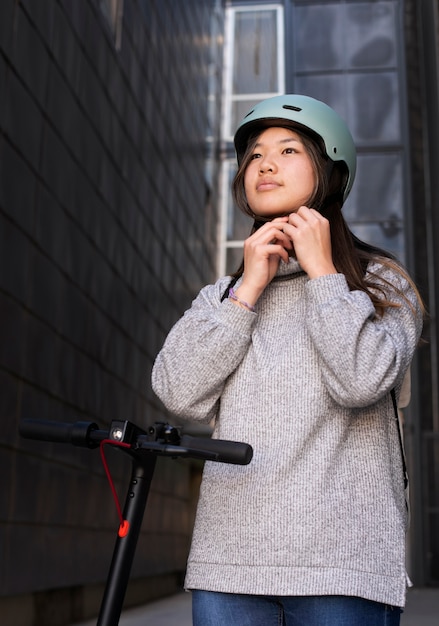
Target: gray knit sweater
x=306, y=381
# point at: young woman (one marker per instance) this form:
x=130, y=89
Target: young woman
x=298, y=355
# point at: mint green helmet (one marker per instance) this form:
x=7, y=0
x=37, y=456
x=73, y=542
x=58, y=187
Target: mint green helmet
x=313, y=115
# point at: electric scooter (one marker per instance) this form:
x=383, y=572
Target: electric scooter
x=143, y=447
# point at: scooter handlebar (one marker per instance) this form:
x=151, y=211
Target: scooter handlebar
x=88, y=435
x=220, y=450
x=76, y=433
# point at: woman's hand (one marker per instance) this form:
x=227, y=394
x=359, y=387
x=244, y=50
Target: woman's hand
x=262, y=253
x=310, y=235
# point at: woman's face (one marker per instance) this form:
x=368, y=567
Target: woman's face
x=280, y=177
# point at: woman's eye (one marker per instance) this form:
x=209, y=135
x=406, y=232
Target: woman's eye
x=256, y=155
x=289, y=151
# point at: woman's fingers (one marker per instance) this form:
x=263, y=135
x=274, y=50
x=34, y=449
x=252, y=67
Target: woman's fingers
x=262, y=252
x=272, y=233
x=270, y=242
x=311, y=236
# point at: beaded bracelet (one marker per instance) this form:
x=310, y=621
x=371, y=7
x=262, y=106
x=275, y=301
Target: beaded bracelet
x=233, y=296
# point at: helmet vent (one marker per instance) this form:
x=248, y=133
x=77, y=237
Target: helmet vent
x=334, y=150
x=291, y=107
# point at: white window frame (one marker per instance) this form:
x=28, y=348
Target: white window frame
x=229, y=98
x=229, y=48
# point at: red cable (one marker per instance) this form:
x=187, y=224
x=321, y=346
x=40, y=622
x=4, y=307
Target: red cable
x=124, y=524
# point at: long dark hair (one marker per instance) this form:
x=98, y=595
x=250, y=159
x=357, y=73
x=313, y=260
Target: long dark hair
x=350, y=255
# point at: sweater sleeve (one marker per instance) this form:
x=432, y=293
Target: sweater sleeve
x=362, y=355
x=203, y=348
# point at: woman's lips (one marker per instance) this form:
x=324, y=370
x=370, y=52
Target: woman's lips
x=266, y=185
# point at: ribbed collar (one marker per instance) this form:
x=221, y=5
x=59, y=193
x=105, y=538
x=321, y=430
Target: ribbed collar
x=288, y=270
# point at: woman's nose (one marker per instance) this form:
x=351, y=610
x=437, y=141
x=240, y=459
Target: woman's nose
x=266, y=165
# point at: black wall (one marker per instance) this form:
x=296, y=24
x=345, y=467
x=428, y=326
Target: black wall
x=107, y=231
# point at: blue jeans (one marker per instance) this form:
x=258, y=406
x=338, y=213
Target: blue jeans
x=210, y=608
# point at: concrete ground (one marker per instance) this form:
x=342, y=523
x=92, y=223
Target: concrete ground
x=422, y=610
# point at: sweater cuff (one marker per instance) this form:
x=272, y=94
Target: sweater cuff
x=236, y=317
x=325, y=288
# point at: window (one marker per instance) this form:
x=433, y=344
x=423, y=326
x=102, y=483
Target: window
x=347, y=53
x=254, y=59
x=254, y=70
